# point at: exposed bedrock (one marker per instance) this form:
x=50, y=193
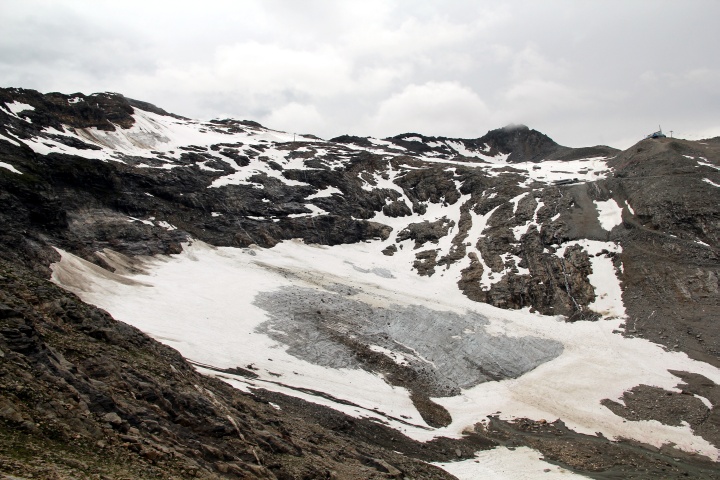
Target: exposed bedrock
x=518, y=253
x=423, y=232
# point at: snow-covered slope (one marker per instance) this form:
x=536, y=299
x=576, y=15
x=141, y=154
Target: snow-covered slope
x=289, y=311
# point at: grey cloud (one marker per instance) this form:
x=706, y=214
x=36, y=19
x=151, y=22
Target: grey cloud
x=582, y=72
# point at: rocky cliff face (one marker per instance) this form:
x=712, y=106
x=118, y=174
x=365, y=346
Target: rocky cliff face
x=519, y=221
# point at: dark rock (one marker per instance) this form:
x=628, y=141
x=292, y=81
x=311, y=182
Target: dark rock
x=112, y=418
x=7, y=312
x=425, y=262
x=390, y=250
x=426, y=231
x=397, y=209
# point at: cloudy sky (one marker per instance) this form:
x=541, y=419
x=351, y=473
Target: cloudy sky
x=583, y=72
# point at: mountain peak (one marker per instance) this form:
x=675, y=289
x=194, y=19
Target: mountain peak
x=522, y=143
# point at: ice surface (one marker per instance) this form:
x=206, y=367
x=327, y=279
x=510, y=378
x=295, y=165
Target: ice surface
x=217, y=315
x=460, y=349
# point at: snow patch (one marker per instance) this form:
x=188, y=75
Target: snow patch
x=203, y=166
x=17, y=107
x=705, y=163
x=501, y=463
x=9, y=140
x=517, y=199
x=327, y=192
x=44, y=146
x=609, y=214
x=461, y=149
x=550, y=171
x=146, y=222
x=7, y=166
x=165, y=225
x=398, y=358
x=314, y=212
x=630, y=209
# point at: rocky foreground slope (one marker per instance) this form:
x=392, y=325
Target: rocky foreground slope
x=510, y=219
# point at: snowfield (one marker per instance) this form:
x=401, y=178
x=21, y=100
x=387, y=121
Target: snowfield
x=203, y=303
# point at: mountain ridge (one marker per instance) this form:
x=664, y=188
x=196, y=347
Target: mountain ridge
x=518, y=141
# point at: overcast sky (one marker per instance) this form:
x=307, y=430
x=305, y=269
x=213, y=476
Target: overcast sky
x=582, y=72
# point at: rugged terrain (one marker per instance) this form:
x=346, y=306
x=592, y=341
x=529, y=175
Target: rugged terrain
x=101, y=193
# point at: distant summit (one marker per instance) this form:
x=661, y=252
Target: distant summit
x=511, y=144
x=520, y=142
